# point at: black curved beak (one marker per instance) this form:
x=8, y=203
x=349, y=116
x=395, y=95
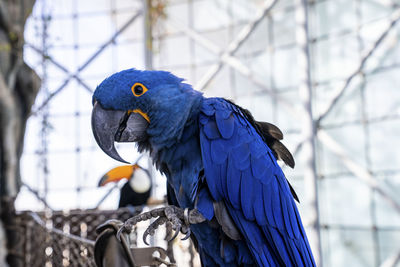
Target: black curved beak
x=111, y=126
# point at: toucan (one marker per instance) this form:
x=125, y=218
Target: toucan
x=136, y=191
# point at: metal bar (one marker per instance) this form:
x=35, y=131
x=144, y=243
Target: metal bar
x=327, y=36
x=49, y=229
x=51, y=95
x=45, y=114
x=77, y=154
x=364, y=118
x=148, y=61
x=340, y=91
x=356, y=168
x=148, y=35
x=392, y=261
x=195, y=36
x=359, y=227
x=308, y=131
x=106, y=196
x=383, y=118
x=89, y=60
x=115, y=35
x=60, y=66
x=236, y=44
x=37, y=195
x=234, y=63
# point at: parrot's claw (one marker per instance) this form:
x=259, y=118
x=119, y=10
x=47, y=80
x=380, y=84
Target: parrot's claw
x=124, y=229
x=178, y=219
x=187, y=233
x=175, y=234
x=152, y=228
x=128, y=225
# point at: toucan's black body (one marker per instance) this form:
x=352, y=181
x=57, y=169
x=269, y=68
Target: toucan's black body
x=129, y=197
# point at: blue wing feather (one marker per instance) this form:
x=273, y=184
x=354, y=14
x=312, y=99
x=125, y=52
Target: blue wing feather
x=205, y=205
x=259, y=212
x=211, y=130
x=218, y=153
x=246, y=193
x=240, y=169
x=234, y=178
x=225, y=125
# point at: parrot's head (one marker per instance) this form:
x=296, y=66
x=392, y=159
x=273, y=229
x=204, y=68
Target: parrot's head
x=141, y=106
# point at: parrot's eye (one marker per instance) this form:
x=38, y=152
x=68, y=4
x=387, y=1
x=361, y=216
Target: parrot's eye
x=138, y=89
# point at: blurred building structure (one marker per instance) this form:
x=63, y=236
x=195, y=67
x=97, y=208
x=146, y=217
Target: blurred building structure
x=326, y=72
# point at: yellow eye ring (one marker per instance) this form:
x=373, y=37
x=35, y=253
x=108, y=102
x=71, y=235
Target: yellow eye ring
x=138, y=89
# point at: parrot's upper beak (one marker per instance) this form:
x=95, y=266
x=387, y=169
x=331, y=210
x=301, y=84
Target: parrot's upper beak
x=109, y=126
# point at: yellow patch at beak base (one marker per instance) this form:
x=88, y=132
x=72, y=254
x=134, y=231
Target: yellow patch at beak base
x=143, y=114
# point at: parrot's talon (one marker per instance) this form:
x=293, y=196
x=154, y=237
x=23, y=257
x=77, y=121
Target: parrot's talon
x=149, y=231
x=175, y=234
x=127, y=228
x=119, y=233
x=187, y=235
x=144, y=239
x=177, y=219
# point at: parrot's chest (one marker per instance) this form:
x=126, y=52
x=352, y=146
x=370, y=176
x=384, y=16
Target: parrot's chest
x=184, y=164
x=185, y=182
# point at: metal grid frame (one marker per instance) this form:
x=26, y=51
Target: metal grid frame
x=315, y=135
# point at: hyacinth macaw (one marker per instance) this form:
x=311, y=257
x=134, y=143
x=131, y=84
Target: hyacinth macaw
x=217, y=159
x=136, y=191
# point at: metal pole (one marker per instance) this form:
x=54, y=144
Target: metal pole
x=148, y=60
x=44, y=131
x=148, y=37
x=308, y=131
x=148, y=64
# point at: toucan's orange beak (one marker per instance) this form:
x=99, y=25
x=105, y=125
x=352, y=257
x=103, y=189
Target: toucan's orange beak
x=118, y=173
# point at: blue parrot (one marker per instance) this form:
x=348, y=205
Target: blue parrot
x=218, y=160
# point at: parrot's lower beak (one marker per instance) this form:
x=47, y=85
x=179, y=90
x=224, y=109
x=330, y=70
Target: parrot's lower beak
x=109, y=126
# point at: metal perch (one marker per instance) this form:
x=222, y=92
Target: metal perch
x=112, y=246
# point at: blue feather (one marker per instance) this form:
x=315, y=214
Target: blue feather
x=218, y=153
x=234, y=177
x=225, y=124
x=246, y=193
x=241, y=156
x=258, y=204
x=211, y=130
x=208, y=109
x=205, y=205
x=259, y=168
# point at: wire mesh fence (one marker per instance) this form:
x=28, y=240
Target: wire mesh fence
x=54, y=239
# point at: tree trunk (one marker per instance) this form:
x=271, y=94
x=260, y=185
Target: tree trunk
x=19, y=85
